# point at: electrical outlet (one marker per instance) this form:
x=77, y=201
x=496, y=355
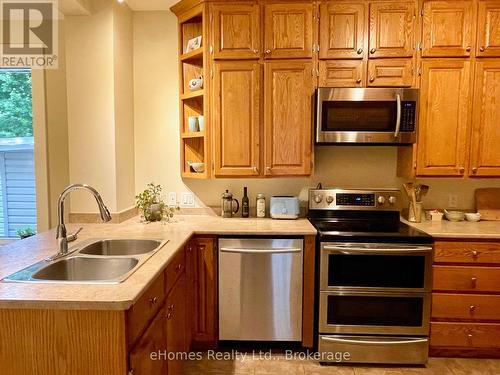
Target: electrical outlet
x=453, y=200
x=187, y=200
x=172, y=198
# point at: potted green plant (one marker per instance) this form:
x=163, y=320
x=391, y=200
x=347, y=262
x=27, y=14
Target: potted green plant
x=25, y=232
x=151, y=205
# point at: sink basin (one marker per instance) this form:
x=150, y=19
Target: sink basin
x=120, y=247
x=86, y=269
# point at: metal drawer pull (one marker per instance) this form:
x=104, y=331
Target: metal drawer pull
x=153, y=300
x=474, y=253
x=169, y=316
x=359, y=51
x=468, y=48
x=171, y=307
x=260, y=251
x=473, y=281
x=368, y=342
x=481, y=49
x=472, y=308
x=358, y=80
x=372, y=50
x=178, y=267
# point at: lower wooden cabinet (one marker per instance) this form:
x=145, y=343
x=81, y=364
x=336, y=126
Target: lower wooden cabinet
x=176, y=317
x=465, y=315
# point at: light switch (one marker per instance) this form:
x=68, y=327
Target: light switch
x=187, y=200
x=172, y=198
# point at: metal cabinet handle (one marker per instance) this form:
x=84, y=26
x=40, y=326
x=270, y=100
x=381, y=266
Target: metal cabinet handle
x=255, y=51
x=461, y=169
x=473, y=281
x=468, y=48
x=178, y=267
x=372, y=50
x=171, y=307
x=358, y=80
x=481, y=49
x=474, y=170
x=359, y=51
x=469, y=336
x=472, y=308
x=475, y=253
x=153, y=300
x=268, y=51
x=169, y=316
x=372, y=79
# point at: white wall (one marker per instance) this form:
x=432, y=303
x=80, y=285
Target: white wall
x=157, y=137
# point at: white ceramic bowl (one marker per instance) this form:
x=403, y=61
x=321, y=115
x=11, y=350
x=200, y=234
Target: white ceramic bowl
x=454, y=215
x=476, y=216
x=197, y=167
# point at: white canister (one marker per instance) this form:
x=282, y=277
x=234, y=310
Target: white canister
x=261, y=205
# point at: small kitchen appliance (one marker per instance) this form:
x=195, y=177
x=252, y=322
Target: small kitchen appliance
x=366, y=115
x=227, y=205
x=374, y=283
x=285, y=207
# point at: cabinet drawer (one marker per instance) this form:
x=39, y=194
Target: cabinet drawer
x=465, y=306
x=472, y=335
x=143, y=311
x=175, y=269
x=466, y=279
x=347, y=73
x=393, y=72
x=467, y=252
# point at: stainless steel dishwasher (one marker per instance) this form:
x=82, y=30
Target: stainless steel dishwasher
x=260, y=289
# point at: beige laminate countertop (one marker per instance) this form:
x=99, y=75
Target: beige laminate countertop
x=482, y=230
x=21, y=254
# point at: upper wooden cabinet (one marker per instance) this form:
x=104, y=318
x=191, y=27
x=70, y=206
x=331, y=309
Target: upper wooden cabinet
x=342, y=30
x=444, y=117
x=447, y=28
x=485, y=150
x=288, y=117
x=236, y=31
x=392, y=29
x=343, y=73
x=236, y=118
x=288, y=30
x=390, y=72
x=488, y=30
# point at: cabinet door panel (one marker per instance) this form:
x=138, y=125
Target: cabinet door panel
x=444, y=117
x=153, y=340
x=346, y=73
x=488, y=30
x=236, y=31
x=342, y=31
x=392, y=29
x=288, y=118
x=393, y=72
x=236, y=118
x=288, y=30
x=485, y=151
x=447, y=28
x=176, y=323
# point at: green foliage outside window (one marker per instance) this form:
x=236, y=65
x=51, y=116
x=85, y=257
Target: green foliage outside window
x=16, y=119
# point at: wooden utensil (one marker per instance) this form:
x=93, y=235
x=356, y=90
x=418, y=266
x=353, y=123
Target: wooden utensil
x=488, y=203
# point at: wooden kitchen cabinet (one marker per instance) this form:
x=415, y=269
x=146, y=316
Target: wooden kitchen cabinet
x=204, y=315
x=485, y=149
x=392, y=29
x=236, y=31
x=288, y=30
x=288, y=118
x=342, y=73
x=154, y=340
x=488, y=30
x=343, y=30
x=442, y=148
x=176, y=317
x=390, y=72
x=236, y=111
x=447, y=29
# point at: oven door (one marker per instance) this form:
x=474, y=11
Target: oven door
x=373, y=115
x=375, y=267
x=374, y=313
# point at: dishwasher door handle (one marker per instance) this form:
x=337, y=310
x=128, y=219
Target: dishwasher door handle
x=260, y=251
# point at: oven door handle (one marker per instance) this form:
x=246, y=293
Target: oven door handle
x=359, y=250
x=398, y=115
x=375, y=342
x=260, y=251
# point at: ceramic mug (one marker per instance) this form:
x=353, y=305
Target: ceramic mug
x=201, y=123
x=196, y=84
x=192, y=124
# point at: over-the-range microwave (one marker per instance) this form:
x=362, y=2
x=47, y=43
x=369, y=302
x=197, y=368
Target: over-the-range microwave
x=366, y=115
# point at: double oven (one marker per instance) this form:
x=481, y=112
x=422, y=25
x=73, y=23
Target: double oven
x=374, y=281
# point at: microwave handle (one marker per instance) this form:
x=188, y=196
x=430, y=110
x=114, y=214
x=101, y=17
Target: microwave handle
x=398, y=115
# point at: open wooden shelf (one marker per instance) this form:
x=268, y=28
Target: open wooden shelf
x=195, y=55
x=192, y=135
x=192, y=95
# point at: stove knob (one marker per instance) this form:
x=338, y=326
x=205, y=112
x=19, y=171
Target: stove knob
x=381, y=200
x=329, y=199
x=392, y=200
x=318, y=198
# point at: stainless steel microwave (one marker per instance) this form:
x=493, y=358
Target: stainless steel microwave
x=367, y=115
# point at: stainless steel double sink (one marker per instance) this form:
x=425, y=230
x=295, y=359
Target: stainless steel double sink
x=97, y=261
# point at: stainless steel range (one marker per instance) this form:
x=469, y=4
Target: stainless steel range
x=374, y=277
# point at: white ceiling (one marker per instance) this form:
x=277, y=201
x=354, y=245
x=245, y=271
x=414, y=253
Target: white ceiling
x=151, y=4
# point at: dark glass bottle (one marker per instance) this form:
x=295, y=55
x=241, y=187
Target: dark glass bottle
x=245, y=204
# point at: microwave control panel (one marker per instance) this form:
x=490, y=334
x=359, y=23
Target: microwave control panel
x=408, y=116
